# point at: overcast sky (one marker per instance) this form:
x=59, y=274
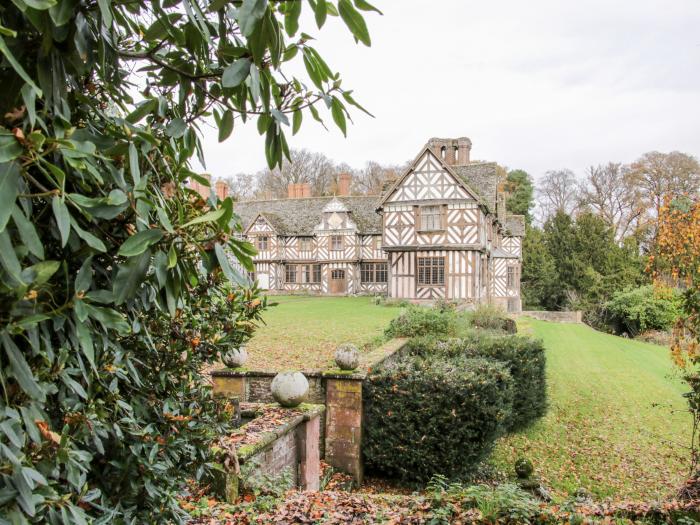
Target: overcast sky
x=536, y=85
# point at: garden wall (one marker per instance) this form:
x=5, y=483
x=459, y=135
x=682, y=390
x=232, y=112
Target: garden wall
x=556, y=317
x=340, y=433
x=275, y=445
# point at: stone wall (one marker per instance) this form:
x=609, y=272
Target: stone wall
x=290, y=446
x=340, y=432
x=556, y=317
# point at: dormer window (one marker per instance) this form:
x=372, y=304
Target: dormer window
x=430, y=218
x=263, y=242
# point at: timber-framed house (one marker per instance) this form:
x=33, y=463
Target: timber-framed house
x=439, y=231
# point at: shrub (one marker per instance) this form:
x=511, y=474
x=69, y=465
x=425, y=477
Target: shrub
x=645, y=308
x=420, y=320
x=491, y=317
x=434, y=416
x=524, y=357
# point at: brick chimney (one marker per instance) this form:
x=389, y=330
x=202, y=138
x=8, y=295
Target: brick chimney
x=453, y=152
x=221, y=189
x=200, y=188
x=298, y=190
x=344, y=181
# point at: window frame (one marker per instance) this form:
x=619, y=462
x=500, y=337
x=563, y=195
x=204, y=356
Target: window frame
x=289, y=270
x=432, y=267
x=332, y=241
x=306, y=244
x=511, y=276
x=369, y=272
x=316, y=273
x=262, y=243
x=435, y=216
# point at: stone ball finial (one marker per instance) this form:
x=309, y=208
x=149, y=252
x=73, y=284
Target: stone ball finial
x=347, y=356
x=289, y=389
x=235, y=357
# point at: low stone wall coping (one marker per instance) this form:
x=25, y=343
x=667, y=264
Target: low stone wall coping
x=253, y=442
x=368, y=361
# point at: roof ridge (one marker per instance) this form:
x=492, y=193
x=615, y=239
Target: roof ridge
x=253, y=201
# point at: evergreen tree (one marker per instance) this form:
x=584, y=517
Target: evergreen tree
x=520, y=191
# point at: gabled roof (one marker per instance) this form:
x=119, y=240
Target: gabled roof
x=459, y=180
x=300, y=216
x=270, y=218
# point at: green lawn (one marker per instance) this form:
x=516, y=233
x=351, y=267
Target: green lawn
x=617, y=422
x=302, y=332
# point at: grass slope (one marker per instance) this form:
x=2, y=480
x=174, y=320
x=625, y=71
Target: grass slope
x=302, y=332
x=617, y=422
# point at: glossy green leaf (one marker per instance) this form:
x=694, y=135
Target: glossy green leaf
x=130, y=276
x=27, y=232
x=20, y=369
x=226, y=125
x=17, y=67
x=63, y=218
x=354, y=20
x=338, y=114
x=211, y=216
x=296, y=121
x=250, y=14
x=291, y=16
x=140, y=242
x=235, y=73
x=176, y=128
x=9, y=178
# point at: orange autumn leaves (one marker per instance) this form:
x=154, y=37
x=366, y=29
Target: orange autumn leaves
x=676, y=258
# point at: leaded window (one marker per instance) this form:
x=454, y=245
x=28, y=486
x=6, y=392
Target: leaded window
x=430, y=218
x=291, y=273
x=373, y=272
x=431, y=271
x=510, y=276
x=263, y=242
x=336, y=243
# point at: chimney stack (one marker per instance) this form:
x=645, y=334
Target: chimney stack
x=204, y=191
x=344, y=181
x=453, y=152
x=298, y=190
x=221, y=189
x=464, y=148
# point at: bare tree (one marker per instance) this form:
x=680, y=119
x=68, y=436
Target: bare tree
x=658, y=175
x=371, y=179
x=608, y=192
x=305, y=166
x=557, y=191
x=241, y=186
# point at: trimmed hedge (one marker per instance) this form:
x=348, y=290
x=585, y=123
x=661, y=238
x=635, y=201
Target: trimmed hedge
x=421, y=320
x=524, y=357
x=433, y=415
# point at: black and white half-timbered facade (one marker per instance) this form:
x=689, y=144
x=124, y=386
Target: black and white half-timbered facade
x=440, y=231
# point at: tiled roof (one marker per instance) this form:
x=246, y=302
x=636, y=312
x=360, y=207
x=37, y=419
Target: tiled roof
x=301, y=216
x=482, y=178
x=515, y=224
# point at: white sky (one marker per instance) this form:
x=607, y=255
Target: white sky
x=537, y=85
